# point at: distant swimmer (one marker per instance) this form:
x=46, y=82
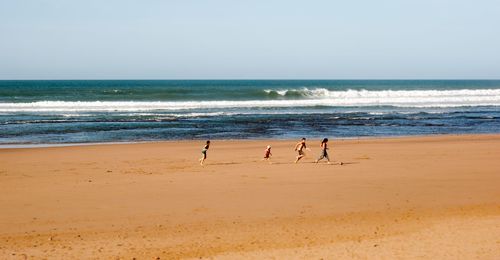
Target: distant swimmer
x=267, y=154
x=204, y=152
x=324, y=151
x=300, y=147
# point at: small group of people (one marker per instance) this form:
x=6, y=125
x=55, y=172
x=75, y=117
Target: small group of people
x=299, y=148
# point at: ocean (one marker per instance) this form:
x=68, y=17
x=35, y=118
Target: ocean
x=94, y=111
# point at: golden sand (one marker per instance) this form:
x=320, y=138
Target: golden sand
x=421, y=197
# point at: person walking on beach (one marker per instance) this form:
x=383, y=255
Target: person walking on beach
x=300, y=147
x=324, y=152
x=267, y=154
x=204, y=152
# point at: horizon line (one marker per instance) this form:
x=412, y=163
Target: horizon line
x=255, y=79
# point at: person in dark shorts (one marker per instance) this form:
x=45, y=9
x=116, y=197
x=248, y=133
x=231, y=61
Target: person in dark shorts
x=324, y=151
x=204, y=152
x=300, y=147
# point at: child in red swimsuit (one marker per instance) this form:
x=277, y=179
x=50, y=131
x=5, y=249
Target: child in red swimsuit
x=267, y=153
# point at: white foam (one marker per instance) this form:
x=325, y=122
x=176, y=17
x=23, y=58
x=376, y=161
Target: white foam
x=304, y=92
x=317, y=97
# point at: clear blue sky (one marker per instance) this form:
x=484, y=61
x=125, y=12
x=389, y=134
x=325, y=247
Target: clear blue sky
x=260, y=39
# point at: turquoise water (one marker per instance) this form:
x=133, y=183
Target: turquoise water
x=76, y=111
x=204, y=90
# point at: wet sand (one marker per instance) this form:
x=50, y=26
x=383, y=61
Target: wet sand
x=415, y=197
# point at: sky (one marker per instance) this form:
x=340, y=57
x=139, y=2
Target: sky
x=259, y=39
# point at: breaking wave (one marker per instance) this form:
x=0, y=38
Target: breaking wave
x=304, y=97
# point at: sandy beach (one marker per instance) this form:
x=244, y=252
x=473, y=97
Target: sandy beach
x=414, y=197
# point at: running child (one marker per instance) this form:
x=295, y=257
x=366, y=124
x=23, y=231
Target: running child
x=267, y=153
x=300, y=147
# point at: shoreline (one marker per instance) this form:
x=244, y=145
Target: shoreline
x=53, y=145
x=392, y=198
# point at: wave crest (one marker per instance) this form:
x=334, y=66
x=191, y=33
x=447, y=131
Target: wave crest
x=297, y=93
x=312, y=98
x=363, y=93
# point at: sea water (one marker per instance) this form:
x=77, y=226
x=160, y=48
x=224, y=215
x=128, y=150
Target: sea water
x=77, y=111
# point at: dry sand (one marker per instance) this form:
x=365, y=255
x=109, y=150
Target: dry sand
x=421, y=197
